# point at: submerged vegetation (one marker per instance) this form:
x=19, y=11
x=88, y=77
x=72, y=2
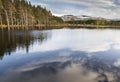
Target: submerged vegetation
x=22, y=13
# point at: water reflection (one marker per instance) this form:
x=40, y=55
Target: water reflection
x=79, y=55
x=17, y=40
x=53, y=66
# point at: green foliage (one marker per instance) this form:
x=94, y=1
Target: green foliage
x=21, y=12
x=95, y=22
x=57, y=19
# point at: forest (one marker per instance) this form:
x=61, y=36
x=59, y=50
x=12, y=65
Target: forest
x=23, y=13
x=95, y=22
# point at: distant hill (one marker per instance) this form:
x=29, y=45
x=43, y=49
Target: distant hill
x=89, y=20
x=82, y=17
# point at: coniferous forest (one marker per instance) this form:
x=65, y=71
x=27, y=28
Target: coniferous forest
x=23, y=13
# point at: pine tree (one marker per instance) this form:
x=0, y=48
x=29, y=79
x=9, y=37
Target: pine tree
x=21, y=12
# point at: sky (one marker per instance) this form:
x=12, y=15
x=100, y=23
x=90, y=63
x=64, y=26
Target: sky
x=109, y=9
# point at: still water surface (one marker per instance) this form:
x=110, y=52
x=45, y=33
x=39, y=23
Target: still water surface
x=63, y=55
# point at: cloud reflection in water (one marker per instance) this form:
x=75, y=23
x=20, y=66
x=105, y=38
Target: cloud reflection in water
x=77, y=55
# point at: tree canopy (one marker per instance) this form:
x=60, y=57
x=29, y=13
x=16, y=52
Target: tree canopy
x=22, y=12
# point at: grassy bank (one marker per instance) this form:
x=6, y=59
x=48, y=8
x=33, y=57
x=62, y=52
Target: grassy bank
x=56, y=26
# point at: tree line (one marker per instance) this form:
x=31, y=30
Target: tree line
x=95, y=22
x=23, y=13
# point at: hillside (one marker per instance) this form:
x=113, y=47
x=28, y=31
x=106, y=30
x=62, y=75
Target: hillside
x=89, y=20
x=81, y=17
x=21, y=12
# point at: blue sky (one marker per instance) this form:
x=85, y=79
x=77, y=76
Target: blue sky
x=98, y=8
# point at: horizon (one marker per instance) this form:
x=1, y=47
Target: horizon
x=108, y=9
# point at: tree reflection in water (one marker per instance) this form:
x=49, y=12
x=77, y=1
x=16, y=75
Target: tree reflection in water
x=13, y=39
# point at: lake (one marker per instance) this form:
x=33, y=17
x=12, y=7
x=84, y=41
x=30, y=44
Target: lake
x=60, y=55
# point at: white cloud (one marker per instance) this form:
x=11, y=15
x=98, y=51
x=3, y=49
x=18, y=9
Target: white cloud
x=90, y=3
x=117, y=63
x=102, y=8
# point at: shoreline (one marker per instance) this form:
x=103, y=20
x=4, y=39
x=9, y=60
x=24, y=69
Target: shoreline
x=56, y=26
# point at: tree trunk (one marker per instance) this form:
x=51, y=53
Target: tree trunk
x=0, y=20
x=11, y=14
x=7, y=19
x=26, y=18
